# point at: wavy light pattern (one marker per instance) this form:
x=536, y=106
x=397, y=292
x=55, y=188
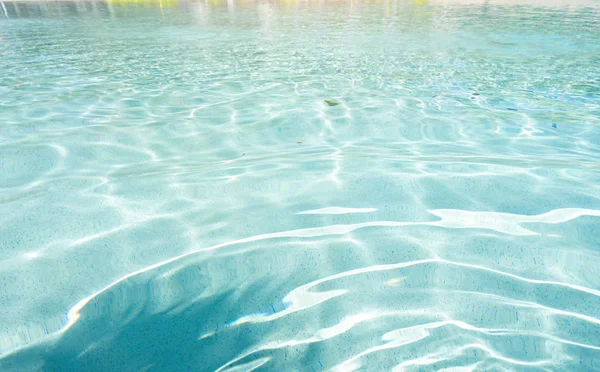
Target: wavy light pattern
x=301, y=185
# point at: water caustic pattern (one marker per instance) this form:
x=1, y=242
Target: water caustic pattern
x=176, y=194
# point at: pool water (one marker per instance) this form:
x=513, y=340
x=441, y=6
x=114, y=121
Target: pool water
x=176, y=194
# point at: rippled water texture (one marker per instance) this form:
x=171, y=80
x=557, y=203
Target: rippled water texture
x=176, y=194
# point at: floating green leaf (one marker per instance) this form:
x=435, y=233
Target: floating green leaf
x=331, y=103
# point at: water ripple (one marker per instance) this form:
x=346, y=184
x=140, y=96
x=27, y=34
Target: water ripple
x=177, y=193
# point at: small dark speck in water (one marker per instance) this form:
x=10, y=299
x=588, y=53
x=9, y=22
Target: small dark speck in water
x=512, y=109
x=475, y=94
x=331, y=103
x=554, y=125
x=243, y=154
x=299, y=142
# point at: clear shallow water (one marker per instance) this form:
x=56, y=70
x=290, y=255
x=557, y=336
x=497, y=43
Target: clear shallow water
x=175, y=194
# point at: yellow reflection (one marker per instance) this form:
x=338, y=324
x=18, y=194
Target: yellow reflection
x=144, y=3
x=420, y=2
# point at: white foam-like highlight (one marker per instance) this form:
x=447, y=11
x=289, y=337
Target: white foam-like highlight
x=425, y=360
x=301, y=298
x=519, y=303
x=395, y=339
x=405, y=336
x=338, y=210
x=498, y=332
x=4, y=11
x=439, y=357
x=32, y=255
x=250, y=366
x=73, y=314
x=517, y=277
x=343, y=326
x=351, y=366
x=102, y=234
x=469, y=368
x=117, y=229
x=62, y=151
x=505, y=222
x=498, y=356
x=451, y=218
x=551, y=310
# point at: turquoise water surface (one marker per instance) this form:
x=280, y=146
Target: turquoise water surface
x=176, y=194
